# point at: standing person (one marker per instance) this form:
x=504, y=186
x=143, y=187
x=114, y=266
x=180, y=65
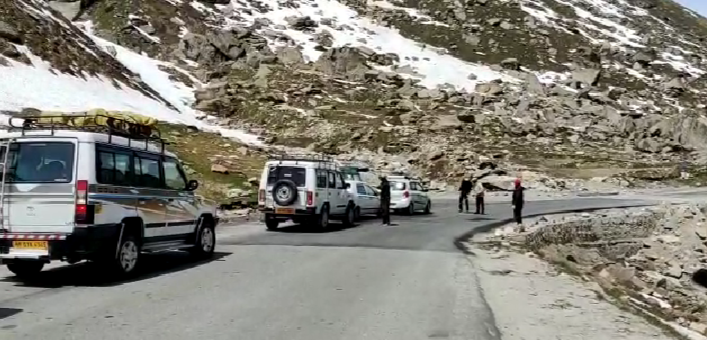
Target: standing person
x=385, y=200
x=479, y=191
x=518, y=201
x=464, y=190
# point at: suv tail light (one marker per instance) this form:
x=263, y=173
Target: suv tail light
x=406, y=194
x=310, y=198
x=261, y=197
x=81, y=212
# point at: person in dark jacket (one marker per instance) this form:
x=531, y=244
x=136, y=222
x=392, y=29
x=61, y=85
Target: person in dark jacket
x=464, y=191
x=385, y=200
x=517, y=202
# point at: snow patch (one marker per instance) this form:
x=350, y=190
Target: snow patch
x=433, y=66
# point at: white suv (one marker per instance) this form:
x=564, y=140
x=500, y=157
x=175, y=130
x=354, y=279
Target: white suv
x=90, y=192
x=304, y=189
x=408, y=195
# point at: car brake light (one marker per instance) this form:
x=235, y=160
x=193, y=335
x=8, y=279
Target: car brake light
x=310, y=198
x=81, y=201
x=406, y=194
x=261, y=196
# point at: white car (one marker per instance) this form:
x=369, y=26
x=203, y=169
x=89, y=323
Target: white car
x=304, y=189
x=366, y=198
x=85, y=192
x=407, y=195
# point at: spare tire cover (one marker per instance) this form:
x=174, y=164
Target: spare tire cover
x=284, y=192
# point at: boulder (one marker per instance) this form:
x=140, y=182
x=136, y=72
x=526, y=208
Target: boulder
x=9, y=33
x=587, y=76
x=348, y=61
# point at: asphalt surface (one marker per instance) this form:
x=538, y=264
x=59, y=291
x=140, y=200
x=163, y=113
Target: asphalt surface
x=408, y=281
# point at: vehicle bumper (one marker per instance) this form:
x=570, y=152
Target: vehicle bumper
x=402, y=204
x=82, y=243
x=270, y=212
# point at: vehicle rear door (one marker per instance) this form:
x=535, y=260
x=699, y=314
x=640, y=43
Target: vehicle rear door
x=397, y=188
x=364, y=200
x=296, y=174
x=336, y=207
x=374, y=199
x=39, y=196
x=113, y=195
x=415, y=193
x=150, y=194
x=321, y=192
x=181, y=210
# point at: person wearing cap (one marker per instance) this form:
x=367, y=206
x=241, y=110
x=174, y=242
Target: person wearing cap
x=385, y=200
x=517, y=201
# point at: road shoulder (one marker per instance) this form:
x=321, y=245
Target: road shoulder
x=532, y=300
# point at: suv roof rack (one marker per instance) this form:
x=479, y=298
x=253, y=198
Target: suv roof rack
x=322, y=161
x=305, y=158
x=113, y=127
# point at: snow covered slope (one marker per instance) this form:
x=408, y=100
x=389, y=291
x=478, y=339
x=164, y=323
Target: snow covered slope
x=116, y=78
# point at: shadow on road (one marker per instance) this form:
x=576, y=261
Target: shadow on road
x=311, y=228
x=88, y=274
x=8, y=312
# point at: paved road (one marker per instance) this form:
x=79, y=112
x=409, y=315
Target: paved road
x=369, y=282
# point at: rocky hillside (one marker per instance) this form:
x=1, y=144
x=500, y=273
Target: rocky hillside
x=577, y=88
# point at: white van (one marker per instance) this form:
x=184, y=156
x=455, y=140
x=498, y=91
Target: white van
x=304, y=189
x=90, y=193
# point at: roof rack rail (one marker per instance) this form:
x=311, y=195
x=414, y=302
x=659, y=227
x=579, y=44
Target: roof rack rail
x=305, y=158
x=113, y=127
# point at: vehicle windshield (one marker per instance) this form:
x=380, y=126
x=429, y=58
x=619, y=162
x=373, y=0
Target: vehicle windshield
x=397, y=185
x=36, y=162
x=352, y=177
x=298, y=175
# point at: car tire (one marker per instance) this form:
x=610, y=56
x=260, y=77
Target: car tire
x=25, y=269
x=323, y=218
x=271, y=223
x=205, y=244
x=349, y=217
x=428, y=208
x=128, y=257
x=357, y=214
x=410, y=209
x=284, y=192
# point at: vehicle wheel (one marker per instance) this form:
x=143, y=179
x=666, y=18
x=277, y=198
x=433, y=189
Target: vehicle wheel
x=128, y=256
x=24, y=269
x=428, y=208
x=271, y=223
x=349, y=217
x=323, y=220
x=411, y=209
x=357, y=214
x=205, y=242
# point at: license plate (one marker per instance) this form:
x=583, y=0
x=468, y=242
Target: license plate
x=286, y=211
x=35, y=245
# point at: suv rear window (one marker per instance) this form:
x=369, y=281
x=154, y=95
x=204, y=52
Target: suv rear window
x=295, y=174
x=39, y=162
x=397, y=185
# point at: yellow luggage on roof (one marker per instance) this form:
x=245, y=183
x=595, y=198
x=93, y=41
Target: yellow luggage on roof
x=95, y=117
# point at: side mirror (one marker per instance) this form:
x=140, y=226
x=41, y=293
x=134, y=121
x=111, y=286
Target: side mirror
x=192, y=185
x=348, y=185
